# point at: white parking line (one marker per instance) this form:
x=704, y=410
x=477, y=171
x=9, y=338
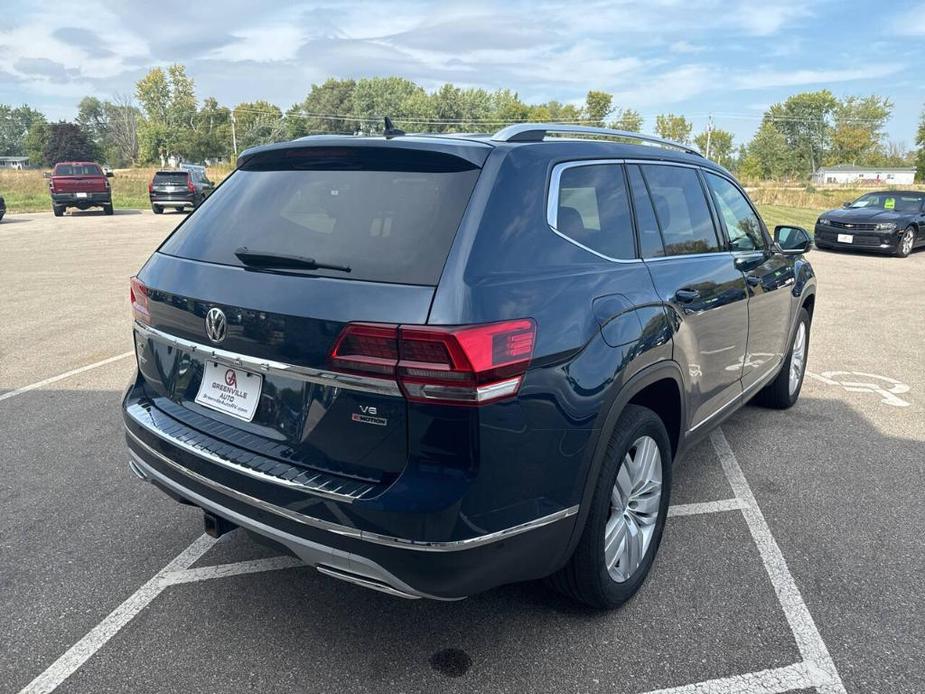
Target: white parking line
x=817, y=669
x=706, y=507
x=61, y=377
x=774, y=681
x=809, y=641
x=97, y=637
x=206, y=573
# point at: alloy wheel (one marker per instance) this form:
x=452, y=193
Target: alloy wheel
x=634, y=507
x=798, y=358
x=908, y=239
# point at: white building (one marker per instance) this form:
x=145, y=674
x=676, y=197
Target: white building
x=14, y=162
x=865, y=175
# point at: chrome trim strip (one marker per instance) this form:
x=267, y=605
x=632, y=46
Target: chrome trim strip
x=250, y=472
x=375, y=538
x=552, y=204
x=365, y=582
x=332, y=379
x=745, y=391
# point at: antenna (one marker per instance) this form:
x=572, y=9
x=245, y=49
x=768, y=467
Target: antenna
x=390, y=129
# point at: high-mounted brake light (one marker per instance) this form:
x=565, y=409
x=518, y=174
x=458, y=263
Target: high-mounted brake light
x=465, y=365
x=138, y=293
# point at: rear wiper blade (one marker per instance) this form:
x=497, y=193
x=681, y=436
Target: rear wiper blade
x=281, y=261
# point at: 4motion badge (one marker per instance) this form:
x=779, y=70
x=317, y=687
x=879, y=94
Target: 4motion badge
x=368, y=414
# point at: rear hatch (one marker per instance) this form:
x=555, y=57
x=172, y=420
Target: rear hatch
x=79, y=178
x=171, y=184
x=258, y=376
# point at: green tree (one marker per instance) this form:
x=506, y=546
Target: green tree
x=720, y=149
x=674, y=128
x=257, y=123
x=168, y=102
x=67, y=142
x=806, y=122
x=34, y=142
x=91, y=117
x=326, y=109
x=210, y=137
x=858, y=133
x=598, y=105
x=377, y=97
x=627, y=119
x=768, y=155
x=14, y=124
x=122, y=118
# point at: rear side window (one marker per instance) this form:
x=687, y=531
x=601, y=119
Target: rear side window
x=78, y=170
x=681, y=209
x=593, y=209
x=171, y=178
x=741, y=222
x=390, y=215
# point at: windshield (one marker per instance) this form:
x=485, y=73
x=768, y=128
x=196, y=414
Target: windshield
x=894, y=202
x=77, y=170
x=390, y=217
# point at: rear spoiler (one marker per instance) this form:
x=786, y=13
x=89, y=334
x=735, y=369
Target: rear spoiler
x=472, y=151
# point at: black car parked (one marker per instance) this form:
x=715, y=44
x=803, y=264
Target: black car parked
x=179, y=189
x=2, y=208
x=890, y=221
x=431, y=365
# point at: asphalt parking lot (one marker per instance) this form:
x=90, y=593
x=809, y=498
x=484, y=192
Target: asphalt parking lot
x=793, y=560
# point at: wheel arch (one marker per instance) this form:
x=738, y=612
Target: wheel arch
x=659, y=387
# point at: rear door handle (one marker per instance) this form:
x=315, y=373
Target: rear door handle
x=686, y=296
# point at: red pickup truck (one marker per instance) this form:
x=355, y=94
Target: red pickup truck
x=80, y=184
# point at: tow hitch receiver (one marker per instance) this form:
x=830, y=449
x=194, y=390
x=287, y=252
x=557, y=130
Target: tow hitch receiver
x=216, y=526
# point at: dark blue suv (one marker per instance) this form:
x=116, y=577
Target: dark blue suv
x=431, y=365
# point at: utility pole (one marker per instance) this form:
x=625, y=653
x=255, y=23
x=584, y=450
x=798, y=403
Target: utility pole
x=709, y=134
x=234, y=137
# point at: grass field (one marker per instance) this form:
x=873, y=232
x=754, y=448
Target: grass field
x=27, y=191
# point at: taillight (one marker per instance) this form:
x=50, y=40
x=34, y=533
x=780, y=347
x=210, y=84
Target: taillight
x=466, y=365
x=189, y=185
x=150, y=186
x=138, y=293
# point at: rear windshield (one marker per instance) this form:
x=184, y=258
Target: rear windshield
x=78, y=170
x=171, y=177
x=389, y=215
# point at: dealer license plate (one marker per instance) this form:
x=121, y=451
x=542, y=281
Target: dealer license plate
x=845, y=238
x=232, y=391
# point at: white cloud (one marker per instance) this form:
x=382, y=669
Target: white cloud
x=795, y=78
x=261, y=43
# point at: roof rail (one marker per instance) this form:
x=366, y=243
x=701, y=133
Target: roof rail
x=536, y=132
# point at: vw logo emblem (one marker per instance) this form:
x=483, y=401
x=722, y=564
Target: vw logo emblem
x=216, y=325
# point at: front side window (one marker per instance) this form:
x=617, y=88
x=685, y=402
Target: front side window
x=742, y=224
x=681, y=209
x=593, y=209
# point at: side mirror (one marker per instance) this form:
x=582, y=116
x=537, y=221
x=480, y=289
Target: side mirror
x=846, y=203
x=109, y=174
x=792, y=240
x=46, y=174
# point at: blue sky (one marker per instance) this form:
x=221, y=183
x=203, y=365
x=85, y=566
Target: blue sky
x=694, y=57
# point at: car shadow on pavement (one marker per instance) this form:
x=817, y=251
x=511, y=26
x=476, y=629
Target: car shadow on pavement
x=100, y=213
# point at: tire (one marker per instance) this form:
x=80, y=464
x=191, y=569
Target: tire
x=905, y=243
x=779, y=394
x=57, y=209
x=157, y=209
x=107, y=209
x=587, y=577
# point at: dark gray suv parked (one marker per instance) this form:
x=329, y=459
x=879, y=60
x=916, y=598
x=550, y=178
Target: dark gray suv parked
x=431, y=365
x=179, y=189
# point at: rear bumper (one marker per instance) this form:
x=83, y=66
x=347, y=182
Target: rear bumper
x=90, y=200
x=172, y=199
x=444, y=570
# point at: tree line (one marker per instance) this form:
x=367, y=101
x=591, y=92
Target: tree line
x=165, y=120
